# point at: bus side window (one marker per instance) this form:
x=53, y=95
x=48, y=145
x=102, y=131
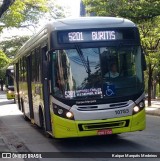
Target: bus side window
x=54, y=71
x=44, y=51
x=17, y=72
x=33, y=60
x=39, y=64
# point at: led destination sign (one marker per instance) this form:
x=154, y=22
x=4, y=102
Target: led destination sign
x=88, y=36
x=94, y=35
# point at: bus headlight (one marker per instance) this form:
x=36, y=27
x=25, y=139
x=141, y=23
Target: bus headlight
x=9, y=92
x=141, y=104
x=136, y=109
x=62, y=112
x=20, y=92
x=69, y=114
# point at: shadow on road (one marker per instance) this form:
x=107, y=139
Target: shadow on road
x=97, y=144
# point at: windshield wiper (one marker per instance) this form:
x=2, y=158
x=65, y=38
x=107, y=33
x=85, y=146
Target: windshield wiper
x=85, y=63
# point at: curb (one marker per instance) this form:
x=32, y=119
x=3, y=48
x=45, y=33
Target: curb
x=153, y=112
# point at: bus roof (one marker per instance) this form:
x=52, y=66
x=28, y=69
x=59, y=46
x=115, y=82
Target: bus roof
x=73, y=24
x=91, y=22
x=10, y=67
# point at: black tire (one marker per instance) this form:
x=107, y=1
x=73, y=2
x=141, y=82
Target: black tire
x=42, y=127
x=23, y=111
x=41, y=119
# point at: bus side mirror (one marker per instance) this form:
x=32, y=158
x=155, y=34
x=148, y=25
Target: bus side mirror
x=144, y=66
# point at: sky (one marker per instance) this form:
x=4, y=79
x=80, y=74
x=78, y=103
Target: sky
x=72, y=5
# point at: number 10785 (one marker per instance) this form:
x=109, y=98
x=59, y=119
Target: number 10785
x=118, y=112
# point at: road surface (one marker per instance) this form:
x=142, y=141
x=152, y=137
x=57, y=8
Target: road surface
x=19, y=135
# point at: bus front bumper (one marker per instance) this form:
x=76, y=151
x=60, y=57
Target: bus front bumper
x=64, y=128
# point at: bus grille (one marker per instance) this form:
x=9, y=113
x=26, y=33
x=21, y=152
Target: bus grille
x=96, y=108
x=105, y=125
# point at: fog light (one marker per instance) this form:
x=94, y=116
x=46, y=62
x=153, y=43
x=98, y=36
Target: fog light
x=141, y=104
x=69, y=114
x=136, y=109
x=60, y=111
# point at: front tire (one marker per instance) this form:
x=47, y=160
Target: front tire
x=41, y=119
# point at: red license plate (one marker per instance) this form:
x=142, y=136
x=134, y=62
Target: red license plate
x=104, y=132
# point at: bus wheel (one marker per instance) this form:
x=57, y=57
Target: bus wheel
x=41, y=119
x=24, y=115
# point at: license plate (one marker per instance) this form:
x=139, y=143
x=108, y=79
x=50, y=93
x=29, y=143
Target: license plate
x=104, y=132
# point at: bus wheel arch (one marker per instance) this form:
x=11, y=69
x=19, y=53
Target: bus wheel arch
x=23, y=110
x=41, y=118
x=22, y=105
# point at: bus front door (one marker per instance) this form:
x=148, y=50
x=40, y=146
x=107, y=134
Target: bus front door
x=29, y=76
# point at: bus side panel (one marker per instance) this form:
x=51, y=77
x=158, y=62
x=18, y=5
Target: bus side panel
x=17, y=85
x=29, y=88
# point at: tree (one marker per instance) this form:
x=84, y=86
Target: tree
x=5, y=5
x=23, y=13
x=150, y=39
x=28, y=13
x=56, y=11
x=132, y=9
x=11, y=45
x=4, y=60
x=146, y=14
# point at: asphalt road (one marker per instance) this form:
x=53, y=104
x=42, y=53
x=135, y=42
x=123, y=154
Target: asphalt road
x=19, y=135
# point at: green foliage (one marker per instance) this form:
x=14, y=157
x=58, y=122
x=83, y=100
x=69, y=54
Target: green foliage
x=140, y=10
x=146, y=14
x=55, y=10
x=150, y=34
x=28, y=11
x=150, y=39
x=4, y=60
x=10, y=46
x=4, y=5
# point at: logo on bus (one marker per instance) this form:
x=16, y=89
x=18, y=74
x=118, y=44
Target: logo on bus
x=110, y=90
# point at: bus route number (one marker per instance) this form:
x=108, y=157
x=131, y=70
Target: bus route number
x=75, y=36
x=118, y=112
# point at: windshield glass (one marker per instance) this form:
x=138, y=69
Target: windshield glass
x=97, y=72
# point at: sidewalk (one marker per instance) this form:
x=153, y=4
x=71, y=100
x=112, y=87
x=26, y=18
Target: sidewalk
x=154, y=109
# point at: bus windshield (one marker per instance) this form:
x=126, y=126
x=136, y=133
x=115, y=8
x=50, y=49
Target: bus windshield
x=102, y=72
